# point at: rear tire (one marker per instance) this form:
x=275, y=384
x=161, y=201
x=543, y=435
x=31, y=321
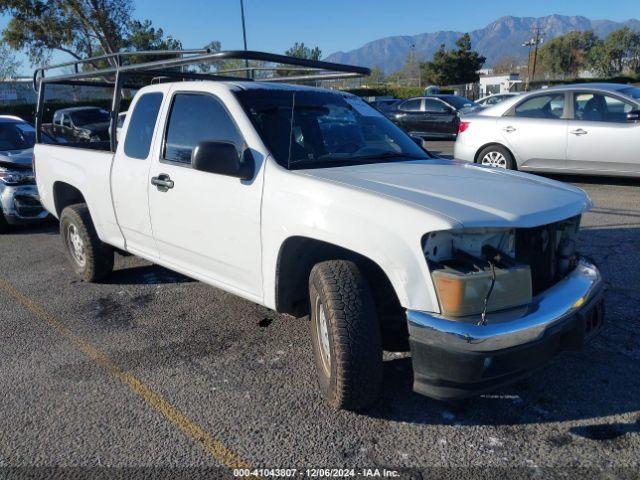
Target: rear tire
x=91, y=259
x=496, y=156
x=345, y=335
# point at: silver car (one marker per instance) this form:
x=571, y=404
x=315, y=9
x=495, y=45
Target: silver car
x=19, y=201
x=584, y=128
x=496, y=98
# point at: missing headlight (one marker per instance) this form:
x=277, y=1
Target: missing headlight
x=474, y=273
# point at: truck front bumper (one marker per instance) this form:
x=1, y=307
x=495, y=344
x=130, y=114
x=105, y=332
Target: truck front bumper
x=454, y=359
x=21, y=204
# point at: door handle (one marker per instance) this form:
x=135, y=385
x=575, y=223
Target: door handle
x=163, y=182
x=509, y=129
x=579, y=132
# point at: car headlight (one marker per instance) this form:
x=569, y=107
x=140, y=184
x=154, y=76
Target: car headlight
x=15, y=177
x=475, y=271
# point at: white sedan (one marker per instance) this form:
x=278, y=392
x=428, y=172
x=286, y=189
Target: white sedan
x=582, y=128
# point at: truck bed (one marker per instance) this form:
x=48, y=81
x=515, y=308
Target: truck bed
x=64, y=169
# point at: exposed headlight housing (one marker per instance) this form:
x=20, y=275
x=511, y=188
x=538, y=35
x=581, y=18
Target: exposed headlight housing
x=475, y=271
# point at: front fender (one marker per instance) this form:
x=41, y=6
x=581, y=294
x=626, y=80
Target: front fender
x=384, y=230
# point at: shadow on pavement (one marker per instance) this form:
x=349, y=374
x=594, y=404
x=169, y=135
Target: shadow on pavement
x=145, y=275
x=49, y=226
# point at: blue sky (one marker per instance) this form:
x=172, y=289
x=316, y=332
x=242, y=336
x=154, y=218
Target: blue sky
x=273, y=25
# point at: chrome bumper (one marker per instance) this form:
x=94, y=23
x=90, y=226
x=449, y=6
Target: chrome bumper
x=21, y=204
x=514, y=327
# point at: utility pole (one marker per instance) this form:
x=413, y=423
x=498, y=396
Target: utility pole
x=535, y=41
x=538, y=41
x=244, y=35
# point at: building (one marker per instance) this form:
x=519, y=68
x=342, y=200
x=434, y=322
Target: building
x=492, y=84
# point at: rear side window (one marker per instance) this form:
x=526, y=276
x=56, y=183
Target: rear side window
x=143, y=121
x=195, y=118
x=542, y=106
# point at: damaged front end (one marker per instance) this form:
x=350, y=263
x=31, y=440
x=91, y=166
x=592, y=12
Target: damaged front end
x=510, y=300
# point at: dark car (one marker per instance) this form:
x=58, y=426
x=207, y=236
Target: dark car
x=80, y=125
x=433, y=116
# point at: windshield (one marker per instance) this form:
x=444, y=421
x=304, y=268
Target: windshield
x=633, y=92
x=459, y=102
x=87, y=117
x=319, y=129
x=16, y=136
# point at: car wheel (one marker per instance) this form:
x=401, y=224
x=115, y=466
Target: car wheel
x=92, y=260
x=345, y=335
x=496, y=156
x=4, y=226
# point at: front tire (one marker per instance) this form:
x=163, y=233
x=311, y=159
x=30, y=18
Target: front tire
x=345, y=335
x=91, y=259
x=496, y=156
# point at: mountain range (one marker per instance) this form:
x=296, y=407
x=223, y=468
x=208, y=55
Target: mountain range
x=501, y=38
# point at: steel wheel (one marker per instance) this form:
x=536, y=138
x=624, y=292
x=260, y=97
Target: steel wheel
x=322, y=331
x=494, y=159
x=76, y=245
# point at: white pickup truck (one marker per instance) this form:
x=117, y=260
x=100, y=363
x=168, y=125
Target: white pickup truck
x=309, y=201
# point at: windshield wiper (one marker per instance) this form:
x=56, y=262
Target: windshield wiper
x=329, y=160
x=384, y=155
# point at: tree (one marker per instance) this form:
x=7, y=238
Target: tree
x=508, y=64
x=80, y=28
x=620, y=51
x=376, y=77
x=9, y=64
x=456, y=66
x=567, y=54
x=298, y=50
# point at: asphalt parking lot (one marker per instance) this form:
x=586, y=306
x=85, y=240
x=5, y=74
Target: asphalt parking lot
x=152, y=370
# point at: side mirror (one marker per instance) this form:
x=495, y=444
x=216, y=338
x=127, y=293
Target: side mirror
x=222, y=158
x=633, y=116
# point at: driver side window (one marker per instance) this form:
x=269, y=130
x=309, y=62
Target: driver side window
x=595, y=107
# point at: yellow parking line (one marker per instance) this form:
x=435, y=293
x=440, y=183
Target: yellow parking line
x=216, y=448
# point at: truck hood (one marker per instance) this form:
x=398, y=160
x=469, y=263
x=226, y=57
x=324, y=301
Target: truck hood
x=16, y=158
x=470, y=195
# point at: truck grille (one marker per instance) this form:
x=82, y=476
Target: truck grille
x=549, y=250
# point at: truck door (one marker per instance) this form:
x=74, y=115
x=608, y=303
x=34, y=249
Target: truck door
x=206, y=225
x=130, y=176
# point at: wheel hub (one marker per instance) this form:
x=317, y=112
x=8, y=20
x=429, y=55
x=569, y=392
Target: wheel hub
x=494, y=159
x=76, y=245
x=322, y=331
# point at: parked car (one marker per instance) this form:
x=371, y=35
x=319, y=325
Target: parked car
x=491, y=100
x=309, y=201
x=80, y=125
x=19, y=201
x=433, y=116
x=582, y=128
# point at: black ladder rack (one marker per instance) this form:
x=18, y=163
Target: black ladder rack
x=172, y=69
